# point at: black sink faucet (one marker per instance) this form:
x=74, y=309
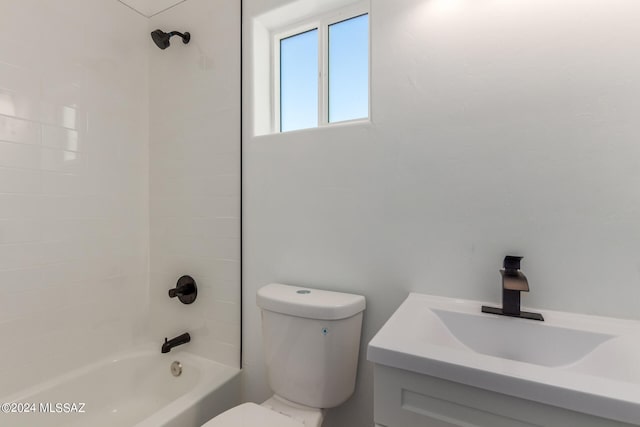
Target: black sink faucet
x=174, y=342
x=513, y=283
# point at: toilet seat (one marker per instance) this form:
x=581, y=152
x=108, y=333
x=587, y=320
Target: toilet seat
x=274, y=412
x=308, y=417
x=252, y=415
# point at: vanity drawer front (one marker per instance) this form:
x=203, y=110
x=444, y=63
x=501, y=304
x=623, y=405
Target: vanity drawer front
x=407, y=399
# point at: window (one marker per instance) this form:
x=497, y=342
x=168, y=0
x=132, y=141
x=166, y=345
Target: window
x=349, y=69
x=299, y=81
x=322, y=72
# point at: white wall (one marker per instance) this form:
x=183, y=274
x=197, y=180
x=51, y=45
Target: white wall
x=498, y=127
x=195, y=176
x=150, y=8
x=73, y=185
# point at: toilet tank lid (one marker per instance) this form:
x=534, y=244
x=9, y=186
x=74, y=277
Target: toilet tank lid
x=308, y=302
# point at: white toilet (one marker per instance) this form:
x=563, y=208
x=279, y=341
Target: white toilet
x=312, y=339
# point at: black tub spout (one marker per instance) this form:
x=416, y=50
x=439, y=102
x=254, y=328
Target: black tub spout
x=174, y=342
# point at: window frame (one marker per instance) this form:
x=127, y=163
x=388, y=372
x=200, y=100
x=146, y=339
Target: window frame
x=322, y=24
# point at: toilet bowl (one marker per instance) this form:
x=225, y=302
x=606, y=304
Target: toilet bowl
x=312, y=340
x=275, y=412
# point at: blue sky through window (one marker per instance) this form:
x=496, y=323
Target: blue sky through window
x=348, y=75
x=299, y=81
x=349, y=69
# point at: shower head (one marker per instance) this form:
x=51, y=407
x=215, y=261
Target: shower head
x=161, y=39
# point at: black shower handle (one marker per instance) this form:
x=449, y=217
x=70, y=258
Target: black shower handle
x=186, y=290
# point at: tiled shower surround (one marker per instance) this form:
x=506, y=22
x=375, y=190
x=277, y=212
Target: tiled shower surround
x=73, y=185
x=195, y=176
x=74, y=192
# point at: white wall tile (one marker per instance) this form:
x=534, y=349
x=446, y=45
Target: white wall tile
x=19, y=231
x=19, y=206
x=19, y=156
x=20, y=181
x=195, y=177
x=151, y=7
x=21, y=280
x=74, y=133
x=196, y=207
x=19, y=80
x=62, y=138
x=15, y=130
x=64, y=222
x=19, y=105
x=62, y=161
x=65, y=184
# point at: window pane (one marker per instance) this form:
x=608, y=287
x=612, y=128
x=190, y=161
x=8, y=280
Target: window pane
x=299, y=81
x=349, y=69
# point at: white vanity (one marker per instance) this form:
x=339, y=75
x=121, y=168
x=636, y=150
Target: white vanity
x=442, y=362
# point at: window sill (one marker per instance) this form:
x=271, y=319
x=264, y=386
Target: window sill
x=345, y=124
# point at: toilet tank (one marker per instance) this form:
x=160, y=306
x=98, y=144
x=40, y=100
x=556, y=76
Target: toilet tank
x=311, y=339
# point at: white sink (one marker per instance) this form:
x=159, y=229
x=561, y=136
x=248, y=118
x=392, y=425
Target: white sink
x=584, y=363
x=523, y=340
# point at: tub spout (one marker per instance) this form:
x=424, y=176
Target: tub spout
x=174, y=342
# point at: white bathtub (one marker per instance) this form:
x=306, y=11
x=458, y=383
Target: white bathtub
x=134, y=389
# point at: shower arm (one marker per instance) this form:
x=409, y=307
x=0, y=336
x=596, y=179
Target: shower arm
x=185, y=37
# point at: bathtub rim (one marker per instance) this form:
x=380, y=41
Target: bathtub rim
x=222, y=374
